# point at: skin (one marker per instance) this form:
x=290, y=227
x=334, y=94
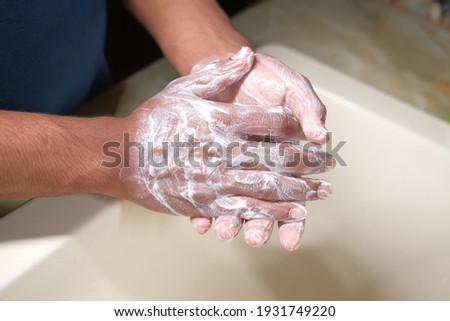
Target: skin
x=192, y=34
x=64, y=158
x=269, y=82
x=54, y=155
x=61, y=155
x=188, y=32
x=260, y=194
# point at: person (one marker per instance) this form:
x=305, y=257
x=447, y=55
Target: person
x=52, y=60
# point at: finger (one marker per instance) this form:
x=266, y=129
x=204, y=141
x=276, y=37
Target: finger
x=251, y=208
x=273, y=122
x=227, y=227
x=215, y=77
x=308, y=109
x=301, y=100
x=284, y=158
x=271, y=186
x=245, y=122
x=201, y=224
x=268, y=122
x=258, y=231
x=291, y=234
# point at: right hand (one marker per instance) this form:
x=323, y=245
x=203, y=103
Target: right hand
x=184, y=183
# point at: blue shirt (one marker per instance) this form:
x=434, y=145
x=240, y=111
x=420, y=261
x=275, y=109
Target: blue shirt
x=51, y=54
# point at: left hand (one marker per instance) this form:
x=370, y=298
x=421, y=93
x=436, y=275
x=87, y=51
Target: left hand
x=271, y=83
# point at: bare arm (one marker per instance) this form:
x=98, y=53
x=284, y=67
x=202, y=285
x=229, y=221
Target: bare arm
x=188, y=31
x=44, y=155
x=55, y=155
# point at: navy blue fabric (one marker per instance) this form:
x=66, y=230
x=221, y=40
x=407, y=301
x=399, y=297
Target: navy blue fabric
x=51, y=54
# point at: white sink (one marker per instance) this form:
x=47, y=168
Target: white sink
x=383, y=235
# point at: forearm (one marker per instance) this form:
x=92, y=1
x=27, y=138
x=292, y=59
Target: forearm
x=43, y=155
x=188, y=31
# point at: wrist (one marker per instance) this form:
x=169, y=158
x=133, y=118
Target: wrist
x=102, y=161
x=188, y=32
x=56, y=155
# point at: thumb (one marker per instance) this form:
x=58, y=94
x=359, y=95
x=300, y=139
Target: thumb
x=309, y=111
x=217, y=76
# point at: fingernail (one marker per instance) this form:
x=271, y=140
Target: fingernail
x=291, y=235
x=200, y=224
x=321, y=137
x=201, y=229
x=225, y=235
x=256, y=237
x=325, y=190
x=297, y=213
x=226, y=232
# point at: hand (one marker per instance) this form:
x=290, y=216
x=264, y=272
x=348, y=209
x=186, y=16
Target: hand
x=191, y=169
x=269, y=83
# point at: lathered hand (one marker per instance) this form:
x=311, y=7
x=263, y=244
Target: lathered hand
x=202, y=162
x=269, y=83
